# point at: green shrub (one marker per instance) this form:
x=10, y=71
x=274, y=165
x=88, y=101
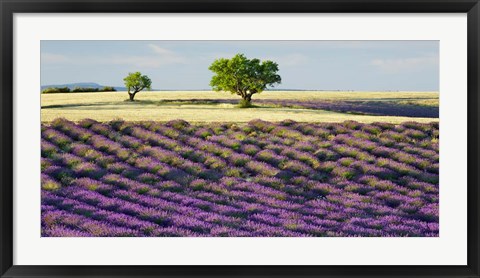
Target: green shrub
x=54, y=90
x=245, y=104
x=108, y=89
x=83, y=90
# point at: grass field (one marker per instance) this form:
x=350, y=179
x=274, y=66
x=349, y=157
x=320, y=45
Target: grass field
x=161, y=106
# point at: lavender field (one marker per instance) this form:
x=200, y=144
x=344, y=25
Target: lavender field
x=255, y=179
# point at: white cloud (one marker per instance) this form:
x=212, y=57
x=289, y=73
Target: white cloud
x=159, y=50
x=50, y=58
x=373, y=44
x=290, y=60
x=404, y=64
x=210, y=57
x=284, y=60
x=137, y=61
x=164, y=56
x=157, y=58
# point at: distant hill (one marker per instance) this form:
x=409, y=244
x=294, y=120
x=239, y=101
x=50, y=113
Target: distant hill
x=81, y=85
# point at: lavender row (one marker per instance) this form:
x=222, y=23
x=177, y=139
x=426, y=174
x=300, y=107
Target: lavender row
x=258, y=179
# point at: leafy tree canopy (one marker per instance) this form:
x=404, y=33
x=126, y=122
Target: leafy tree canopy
x=243, y=76
x=135, y=82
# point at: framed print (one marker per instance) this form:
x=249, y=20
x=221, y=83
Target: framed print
x=239, y=138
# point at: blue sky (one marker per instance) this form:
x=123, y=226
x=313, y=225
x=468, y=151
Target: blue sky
x=183, y=65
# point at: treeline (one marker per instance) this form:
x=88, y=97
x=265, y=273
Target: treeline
x=53, y=90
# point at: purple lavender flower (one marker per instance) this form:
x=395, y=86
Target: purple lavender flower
x=285, y=179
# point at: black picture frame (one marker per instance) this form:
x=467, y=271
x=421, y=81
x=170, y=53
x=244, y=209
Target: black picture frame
x=9, y=7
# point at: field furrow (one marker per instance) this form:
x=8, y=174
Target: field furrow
x=287, y=179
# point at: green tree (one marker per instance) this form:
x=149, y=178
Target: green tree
x=243, y=77
x=135, y=82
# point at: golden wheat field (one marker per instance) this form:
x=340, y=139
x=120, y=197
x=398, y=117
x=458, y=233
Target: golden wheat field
x=169, y=105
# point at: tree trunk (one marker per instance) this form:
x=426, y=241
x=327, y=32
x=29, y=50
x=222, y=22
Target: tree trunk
x=131, y=95
x=248, y=99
